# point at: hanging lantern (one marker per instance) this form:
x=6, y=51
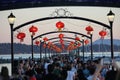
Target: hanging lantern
x=50, y=43
x=86, y=41
x=78, y=44
x=44, y=45
x=33, y=30
x=21, y=36
x=60, y=25
x=71, y=42
x=102, y=33
x=89, y=29
x=45, y=39
x=37, y=42
x=77, y=38
x=61, y=41
x=61, y=36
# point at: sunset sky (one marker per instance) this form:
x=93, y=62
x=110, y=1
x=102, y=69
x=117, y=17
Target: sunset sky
x=29, y=14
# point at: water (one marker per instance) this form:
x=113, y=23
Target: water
x=37, y=55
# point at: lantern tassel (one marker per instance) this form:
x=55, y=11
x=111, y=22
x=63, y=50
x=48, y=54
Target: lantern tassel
x=21, y=40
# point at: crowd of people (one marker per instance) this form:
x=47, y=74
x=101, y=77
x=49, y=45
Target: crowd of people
x=63, y=68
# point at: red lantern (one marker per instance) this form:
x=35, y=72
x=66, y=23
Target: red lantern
x=21, y=36
x=33, y=29
x=37, y=42
x=86, y=41
x=79, y=44
x=61, y=36
x=61, y=41
x=50, y=43
x=71, y=42
x=77, y=38
x=44, y=45
x=60, y=25
x=89, y=29
x=102, y=33
x=45, y=39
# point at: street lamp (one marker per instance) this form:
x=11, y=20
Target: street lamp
x=11, y=19
x=90, y=30
x=46, y=43
x=32, y=30
x=41, y=42
x=91, y=35
x=32, y=46
x=111, y=16
x=83, y=46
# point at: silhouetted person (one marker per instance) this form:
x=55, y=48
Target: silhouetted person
x=4, y=73
x=50, y=75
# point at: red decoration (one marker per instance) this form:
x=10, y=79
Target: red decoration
x=21, y=36
x=44, y=45
x=50, y=43
x=45, y=39
x=60, y=25
x=71, y=42
x=86, y=41
x=89, y=29
x=79, y=44
x=61, y=36
x=33, y=29
x=37, y=42
x=102, y=33
x=61, y=41
x=77, y=38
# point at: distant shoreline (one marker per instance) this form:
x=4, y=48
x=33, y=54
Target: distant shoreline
x=37, y=55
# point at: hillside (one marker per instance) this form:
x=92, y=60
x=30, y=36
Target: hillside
x=23, y=48
x=107, y=42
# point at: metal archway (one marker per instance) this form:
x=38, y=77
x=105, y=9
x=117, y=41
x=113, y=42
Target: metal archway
x=90, y=37
x=61, y=17
x=57, y=41
x=66, y=17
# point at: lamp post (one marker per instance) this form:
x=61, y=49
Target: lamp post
x=32, y=30
x=11, y=19
x=91, y=46
x=83, y=46
x=111, y=16
x=32, y=46
x=46, y=43
x=90, y=30
x=40, y=49
x=78, y=51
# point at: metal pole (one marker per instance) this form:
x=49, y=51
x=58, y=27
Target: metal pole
x=32, y=46
x=91, y=48
x=83, y=49
x=111, y=34
x=40, y=51
x=45, y=51
x=12, y=54
x=49, y=53
x=78, y=52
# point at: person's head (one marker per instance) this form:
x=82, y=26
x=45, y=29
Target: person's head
x=57, y=65
x=4, y=71
x=50, y=68
x=91, y=70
